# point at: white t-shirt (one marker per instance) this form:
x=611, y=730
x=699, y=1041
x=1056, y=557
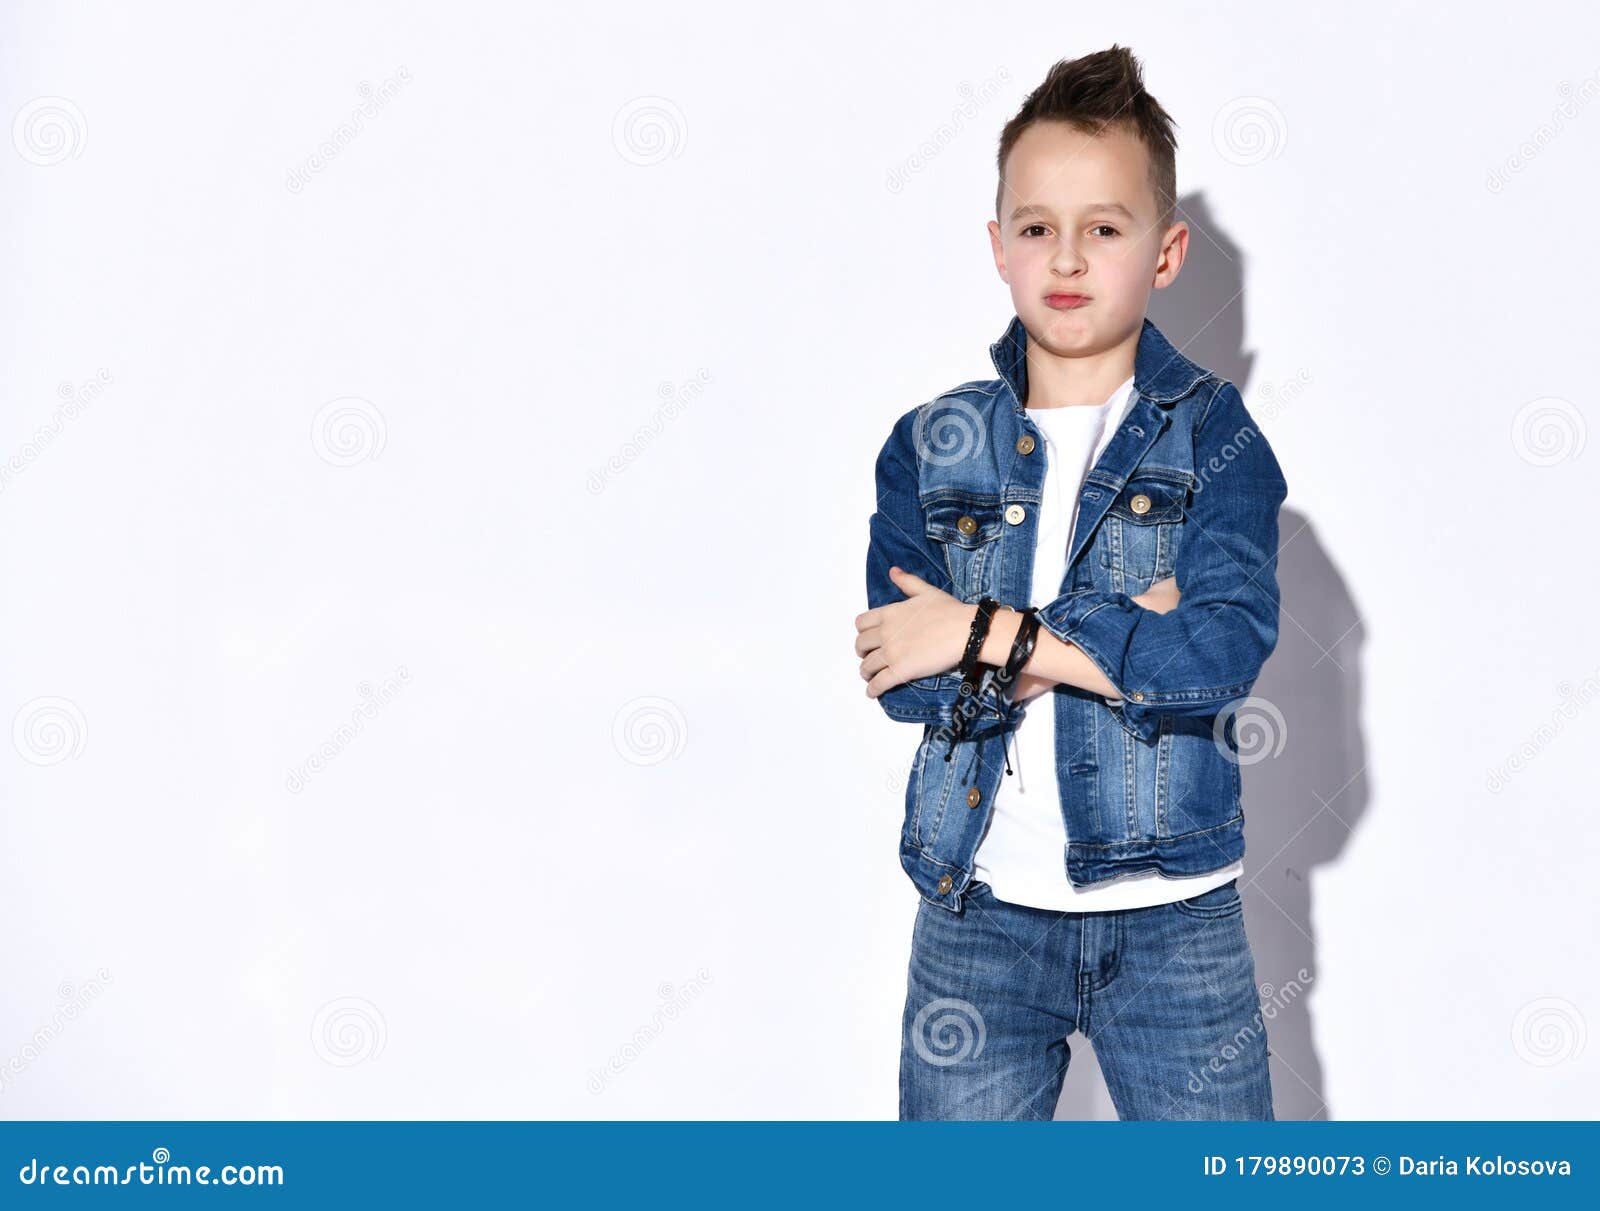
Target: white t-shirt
x=1023, y=855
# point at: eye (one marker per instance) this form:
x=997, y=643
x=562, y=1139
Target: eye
x=1105, y=227
x=1033, y=227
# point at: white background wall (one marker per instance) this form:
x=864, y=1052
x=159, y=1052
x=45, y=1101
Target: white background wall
x=629, y=812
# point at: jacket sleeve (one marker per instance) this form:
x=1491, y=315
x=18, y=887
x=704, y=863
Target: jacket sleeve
x=1209, y=650
x=898, y=537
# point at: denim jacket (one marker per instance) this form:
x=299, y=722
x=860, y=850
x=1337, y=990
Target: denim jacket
x=1187, y=486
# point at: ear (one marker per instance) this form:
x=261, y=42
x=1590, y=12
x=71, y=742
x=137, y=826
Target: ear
x=999, y=251
x=1174, y=248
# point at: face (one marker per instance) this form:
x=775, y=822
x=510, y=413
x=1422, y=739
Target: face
x=1087, y=227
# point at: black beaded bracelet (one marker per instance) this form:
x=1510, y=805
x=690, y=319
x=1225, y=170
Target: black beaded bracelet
x=972, y=672
x=976, y=634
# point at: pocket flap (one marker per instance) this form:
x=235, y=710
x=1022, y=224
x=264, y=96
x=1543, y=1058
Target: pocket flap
x=964, y=521
x=1145, y=502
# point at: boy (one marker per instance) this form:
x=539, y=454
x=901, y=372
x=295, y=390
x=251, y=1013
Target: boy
x=1127, y=494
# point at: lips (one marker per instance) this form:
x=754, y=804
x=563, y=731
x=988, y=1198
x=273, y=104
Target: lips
x=1066, y=302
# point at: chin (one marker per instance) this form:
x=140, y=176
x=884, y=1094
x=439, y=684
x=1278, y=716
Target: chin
x=1066, y=330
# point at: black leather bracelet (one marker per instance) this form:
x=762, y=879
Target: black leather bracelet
x=1021, y=652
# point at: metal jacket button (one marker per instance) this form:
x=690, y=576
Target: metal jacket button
x=967, y=525
x=974, y=796
x=1137, y=695
x=1025, y=444
x=1140, y=503
x=945, y=884
x=1015, y=514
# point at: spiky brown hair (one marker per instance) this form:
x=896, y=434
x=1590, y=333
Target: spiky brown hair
x=1095, y=93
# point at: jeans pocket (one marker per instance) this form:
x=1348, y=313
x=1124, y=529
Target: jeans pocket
x=1220, y=901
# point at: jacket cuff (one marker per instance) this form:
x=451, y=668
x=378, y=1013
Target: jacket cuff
x=1100, y=625
x=933, y=700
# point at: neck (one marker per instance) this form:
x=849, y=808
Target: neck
x=1056, y=381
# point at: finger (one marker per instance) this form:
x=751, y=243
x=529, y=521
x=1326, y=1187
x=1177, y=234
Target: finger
x=883, y=680
x=908, y=582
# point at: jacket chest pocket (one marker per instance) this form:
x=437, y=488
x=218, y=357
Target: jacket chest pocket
x=967, y=530
x=1139, y=537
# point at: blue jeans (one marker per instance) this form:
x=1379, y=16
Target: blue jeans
x=1166, y=994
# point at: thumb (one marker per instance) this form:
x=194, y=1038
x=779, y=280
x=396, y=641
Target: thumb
x=907, y=581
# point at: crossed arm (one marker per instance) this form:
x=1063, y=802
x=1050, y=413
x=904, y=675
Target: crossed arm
x=1160, y=653
x=914, y=638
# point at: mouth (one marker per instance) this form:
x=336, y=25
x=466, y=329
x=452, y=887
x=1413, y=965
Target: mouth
x=1066, y=302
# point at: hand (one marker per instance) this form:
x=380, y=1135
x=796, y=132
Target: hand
x=1161, y=596
x=918, y=637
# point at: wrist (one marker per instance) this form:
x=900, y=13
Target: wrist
x=1002, y=634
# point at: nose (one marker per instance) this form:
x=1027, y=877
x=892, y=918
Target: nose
x=1067, y=260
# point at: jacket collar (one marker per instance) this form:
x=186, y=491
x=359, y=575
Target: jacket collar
x=1161, y=376
x=1160, y=373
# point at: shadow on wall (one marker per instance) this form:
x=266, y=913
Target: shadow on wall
x=1303, y=757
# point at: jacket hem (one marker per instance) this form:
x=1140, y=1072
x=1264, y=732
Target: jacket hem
x=1193, y=853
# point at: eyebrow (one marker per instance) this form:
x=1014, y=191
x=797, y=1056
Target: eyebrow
x=1116, y=207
